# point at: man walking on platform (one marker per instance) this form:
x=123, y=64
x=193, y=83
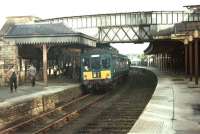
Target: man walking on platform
x=12, y=77
x=32, y=74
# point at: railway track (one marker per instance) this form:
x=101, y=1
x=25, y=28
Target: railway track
x=116, y=113
x=121, y=111
x=121, y=116
x=54, y=118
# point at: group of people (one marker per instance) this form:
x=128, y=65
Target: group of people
x=12, y=77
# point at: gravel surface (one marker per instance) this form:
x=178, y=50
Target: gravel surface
x=119, y=110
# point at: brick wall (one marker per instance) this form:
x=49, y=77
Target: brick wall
x=8, y=57
x=29, y=108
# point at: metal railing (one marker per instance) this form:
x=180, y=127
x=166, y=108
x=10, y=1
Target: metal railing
x=125, y=27
x=123, y=19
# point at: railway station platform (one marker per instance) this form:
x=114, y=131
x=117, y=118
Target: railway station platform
x=173, y=109
x=29, y=101
x=26, y=92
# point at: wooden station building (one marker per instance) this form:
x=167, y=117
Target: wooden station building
x=54, y=49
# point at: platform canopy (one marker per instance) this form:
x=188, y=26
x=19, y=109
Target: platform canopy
x=50, y=34
x=194, y=8
x=45, y=35
x=178, y=31
x=163, y=46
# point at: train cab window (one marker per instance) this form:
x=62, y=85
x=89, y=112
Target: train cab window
x=86, y=63
x=95, y=63
x=106, y=63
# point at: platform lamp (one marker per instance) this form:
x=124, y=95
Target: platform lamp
x=186, y=41
x=190, y=39
x=196, y=34
x=196, y=54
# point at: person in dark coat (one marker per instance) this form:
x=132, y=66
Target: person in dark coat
x=12, y=77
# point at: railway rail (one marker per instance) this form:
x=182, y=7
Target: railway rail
x=121, y=116
x=54, y=118
x=119, y=110
x=115, y=113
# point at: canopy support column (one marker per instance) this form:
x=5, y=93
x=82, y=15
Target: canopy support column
x=190, y=60
x=44, y=48
x=186, y=60
x=196, y=61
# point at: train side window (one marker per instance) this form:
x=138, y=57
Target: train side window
x=106, y=63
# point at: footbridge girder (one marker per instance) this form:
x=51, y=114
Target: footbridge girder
x=125, y=34
x=125, y=27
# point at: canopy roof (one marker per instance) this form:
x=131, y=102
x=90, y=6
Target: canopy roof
x=39, y=29
x=56, y=33
x=163, y=46
x=179, y=28
x=195, y=8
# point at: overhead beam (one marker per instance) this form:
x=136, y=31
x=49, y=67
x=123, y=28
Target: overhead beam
x=125, y=34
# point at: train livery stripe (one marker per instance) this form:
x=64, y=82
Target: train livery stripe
x=87, y=75
x=106, y=74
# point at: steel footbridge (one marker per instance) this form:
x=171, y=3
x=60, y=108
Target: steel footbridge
x=134, y=27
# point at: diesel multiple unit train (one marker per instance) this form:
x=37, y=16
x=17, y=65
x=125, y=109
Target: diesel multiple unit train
x=102, y=68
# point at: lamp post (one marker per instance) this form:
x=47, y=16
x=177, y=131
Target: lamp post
x=190, y=39
x=186, y=56
x=196, y=54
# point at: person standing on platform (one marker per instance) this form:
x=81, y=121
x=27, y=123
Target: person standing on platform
x=32, y=74
x=12, y=77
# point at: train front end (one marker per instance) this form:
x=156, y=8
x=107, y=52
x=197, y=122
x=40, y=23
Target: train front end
x=96, y=70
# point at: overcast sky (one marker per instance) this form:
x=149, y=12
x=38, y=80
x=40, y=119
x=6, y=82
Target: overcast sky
x=58, y=8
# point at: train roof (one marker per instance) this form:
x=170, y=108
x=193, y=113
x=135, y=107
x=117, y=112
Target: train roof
x=103, y=51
